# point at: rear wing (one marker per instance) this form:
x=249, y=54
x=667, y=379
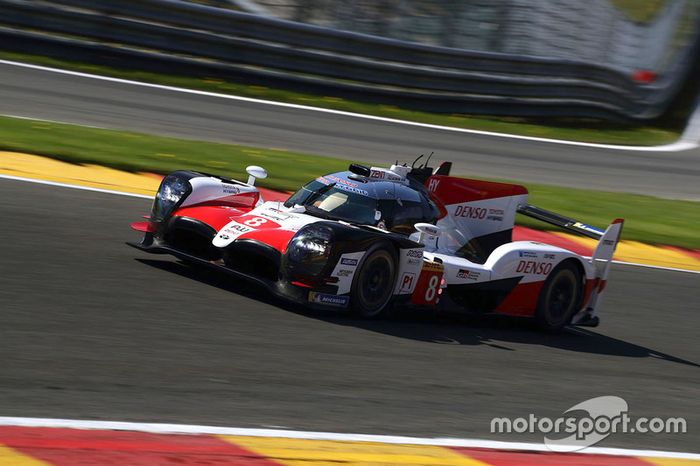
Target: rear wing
x=607, y=239
x=566, y=223
x=602, y=255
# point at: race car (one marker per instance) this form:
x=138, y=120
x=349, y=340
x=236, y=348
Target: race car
x=371, y=239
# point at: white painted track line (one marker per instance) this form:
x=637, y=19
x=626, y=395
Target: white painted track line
x=686, y=142
x=157, y=428
x=73, y=186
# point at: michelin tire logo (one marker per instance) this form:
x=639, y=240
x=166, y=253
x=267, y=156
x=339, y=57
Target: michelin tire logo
x=328, y=299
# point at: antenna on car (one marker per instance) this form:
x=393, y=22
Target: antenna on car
x=413, y=165
x=428, y=161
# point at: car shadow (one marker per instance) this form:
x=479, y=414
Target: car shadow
x=492, y=330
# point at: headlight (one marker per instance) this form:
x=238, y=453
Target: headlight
x=311, y=243
x=171, y=191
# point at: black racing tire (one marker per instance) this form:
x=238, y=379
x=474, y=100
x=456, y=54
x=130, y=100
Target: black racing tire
x=374, y=281
x=559, y=298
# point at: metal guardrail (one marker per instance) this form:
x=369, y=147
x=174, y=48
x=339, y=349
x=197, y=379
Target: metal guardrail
x=175, y=36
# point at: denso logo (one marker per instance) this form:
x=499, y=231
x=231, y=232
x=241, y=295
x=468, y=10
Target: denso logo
x=534, y=267
x=466, y=211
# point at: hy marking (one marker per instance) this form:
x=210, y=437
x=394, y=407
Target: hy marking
x=688, y=141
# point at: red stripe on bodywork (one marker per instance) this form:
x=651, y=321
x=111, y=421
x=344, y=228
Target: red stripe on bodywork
x=270, y=195
x=145, y=227
x=452, y=190
x=214, y=216
x=588, y=291
x=601, y=285
x=522, y=301
x=70, y=447
x=242, y=201
x=507, y=458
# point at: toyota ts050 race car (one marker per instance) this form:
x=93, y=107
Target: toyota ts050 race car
x=368, y=239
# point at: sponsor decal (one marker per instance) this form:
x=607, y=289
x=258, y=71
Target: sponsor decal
x=417, y=253
x=433, y=267
x=550, y=256
x=407, y=281
x=224, y=236
x=583, y=226
x=230, y=189
x=321, y=179
x=329, y=299
x=340, y=181
x=344, y=272
x=274, y=215
x=528, y=254
x=534, y=267
x=497, y=211
x=384, y=175
x=433, y=185
x=466, y=211
x=468, y=274
x=237, y=228
x=346, y=261
x=608, y=242
x=495, y=218
x=352, y=189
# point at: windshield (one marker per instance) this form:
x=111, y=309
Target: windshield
x=328, y=199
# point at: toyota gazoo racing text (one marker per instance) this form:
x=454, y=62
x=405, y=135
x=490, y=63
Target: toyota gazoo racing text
x=368, y=239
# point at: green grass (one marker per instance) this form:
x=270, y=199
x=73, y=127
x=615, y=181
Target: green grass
x=142, y=152
x=641, y=11
x=648, y=219
x=585, y=131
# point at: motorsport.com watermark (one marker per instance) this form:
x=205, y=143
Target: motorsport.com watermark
x=587, y=423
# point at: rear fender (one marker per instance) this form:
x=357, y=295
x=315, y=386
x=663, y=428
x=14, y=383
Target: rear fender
x=532, y=263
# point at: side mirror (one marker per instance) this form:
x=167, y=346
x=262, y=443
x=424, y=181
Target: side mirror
x=427, y=229
x=255, y=172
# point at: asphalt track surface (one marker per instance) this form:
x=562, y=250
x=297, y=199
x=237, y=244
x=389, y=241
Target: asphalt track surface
x=42, y=94
x=93, y=329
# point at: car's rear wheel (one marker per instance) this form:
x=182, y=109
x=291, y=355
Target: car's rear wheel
x=559, y=298
x=373, y=285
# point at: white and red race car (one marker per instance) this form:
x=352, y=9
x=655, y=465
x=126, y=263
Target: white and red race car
x=368, y=239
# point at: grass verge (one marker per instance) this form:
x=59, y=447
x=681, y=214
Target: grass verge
x=574, y=131
x=648, y=219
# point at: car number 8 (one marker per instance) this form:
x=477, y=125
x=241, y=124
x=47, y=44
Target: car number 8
x=255, y=222
x=432, y=288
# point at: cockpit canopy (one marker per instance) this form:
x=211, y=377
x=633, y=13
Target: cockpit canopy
x=393, y=206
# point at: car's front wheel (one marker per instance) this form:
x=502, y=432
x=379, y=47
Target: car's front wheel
x=373, y=284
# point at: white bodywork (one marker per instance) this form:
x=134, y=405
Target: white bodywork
x=463, y=221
